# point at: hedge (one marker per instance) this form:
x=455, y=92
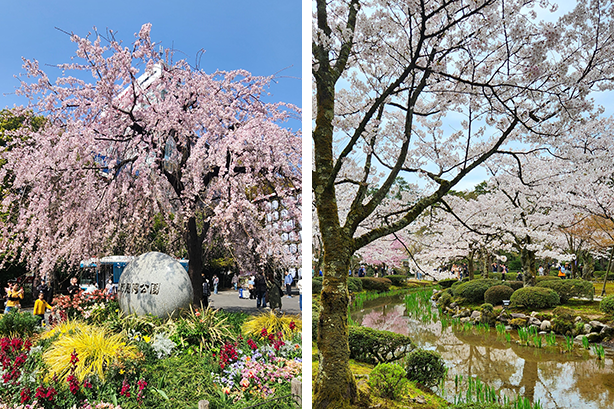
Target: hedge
x=379, y=284
x=497, y=293
x=600, y=273
x=546, y=278
x=373, y=346
x=567, y=289
x=534, y=298
x=397, y=280
x=354, y=285
x=447, y=283
x=473, y=291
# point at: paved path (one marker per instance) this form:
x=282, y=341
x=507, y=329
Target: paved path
x=228, y=300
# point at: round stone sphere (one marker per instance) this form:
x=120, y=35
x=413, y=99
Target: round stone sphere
x=154, y=283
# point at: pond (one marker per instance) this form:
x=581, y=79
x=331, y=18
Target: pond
x=556, y=379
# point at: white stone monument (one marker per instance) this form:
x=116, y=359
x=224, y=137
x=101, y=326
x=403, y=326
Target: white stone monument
x=154, y=283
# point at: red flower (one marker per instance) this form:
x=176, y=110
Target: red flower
x=264, y=333
x=292, y=325
x=25, y=395
x=125, y=391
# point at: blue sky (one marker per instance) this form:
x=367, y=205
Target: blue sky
x=262, y=37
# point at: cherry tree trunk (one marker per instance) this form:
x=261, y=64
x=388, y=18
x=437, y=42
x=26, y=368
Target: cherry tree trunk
x=194, y=243
x=335, y=385
x=527, y=257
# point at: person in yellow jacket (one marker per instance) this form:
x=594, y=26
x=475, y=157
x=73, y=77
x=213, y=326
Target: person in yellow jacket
x=40, y=306
x=14, y=297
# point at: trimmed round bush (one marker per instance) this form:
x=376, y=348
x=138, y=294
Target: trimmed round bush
x=316, y=285
x=397, y=280
x=379, y=284
x=497, y=293
x=535, y=298
x=515, y=285
x=567, y=289
x=354, y=285
x=473, y=291
x=447, y=283
x=607, y=304
x=388, y=380
x=426, y=367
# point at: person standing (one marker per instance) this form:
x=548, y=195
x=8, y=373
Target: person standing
x=14, y=297
x=110, y=288
x=43, y=288
x=40, y=306
x=235, y=281
x=261, y=286
x=299, y=285
x=73, y=288
x=206, y=293
x=216, y=282
x=251, y=282
x=288, y=282
x=275, y=292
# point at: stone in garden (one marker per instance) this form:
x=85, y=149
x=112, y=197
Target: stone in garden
x=596, y=325
x=545, y=326
x=578, y=319
x=534, y=321
x=518, y=315
x=154, y=283
x=465, y=319
x=607, y=331
x=594, y=337
x=476, y=315
x=587, y=328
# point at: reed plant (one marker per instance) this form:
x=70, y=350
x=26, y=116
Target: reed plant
x=551, y=339
x=599, y=351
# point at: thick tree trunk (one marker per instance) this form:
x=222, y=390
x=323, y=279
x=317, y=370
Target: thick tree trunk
x=607, y=271
x=194, y=243
x=527, y=258
x=335, y=385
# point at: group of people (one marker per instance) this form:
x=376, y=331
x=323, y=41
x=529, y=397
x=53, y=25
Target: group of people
x=265, y=290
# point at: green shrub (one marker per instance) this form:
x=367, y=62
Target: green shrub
x=486, y=307
x=388, y=381
x=445, y=299
x=599, y=275
x=316, y=285
x=373, y=346
x=535, y=298
x=546, y=278
x=497, y=293
x=566, y=289
x=473, y=291
x=447, y=283
x=354, y=285
x=607, y=304
x=16, y=323
x=397, y=280
x=315, y=317
x=426, y=367
x=514, y=285
x=379, y=284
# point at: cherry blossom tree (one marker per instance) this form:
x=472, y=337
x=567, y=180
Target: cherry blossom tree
x=429, y=90
x=147, y=136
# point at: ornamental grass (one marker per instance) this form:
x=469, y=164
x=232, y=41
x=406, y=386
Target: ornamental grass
x=287, y=325
x=96, y=348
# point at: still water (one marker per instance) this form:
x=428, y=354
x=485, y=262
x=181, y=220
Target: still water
x=567, y=380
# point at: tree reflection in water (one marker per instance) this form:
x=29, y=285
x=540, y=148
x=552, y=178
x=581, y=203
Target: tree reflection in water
x=557, y=380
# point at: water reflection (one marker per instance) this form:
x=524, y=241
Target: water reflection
x=557, y=380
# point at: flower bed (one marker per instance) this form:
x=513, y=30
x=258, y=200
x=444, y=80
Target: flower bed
x=107, y=360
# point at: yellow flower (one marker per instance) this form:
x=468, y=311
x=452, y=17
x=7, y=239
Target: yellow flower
x=146, y=338
x=121, y=372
